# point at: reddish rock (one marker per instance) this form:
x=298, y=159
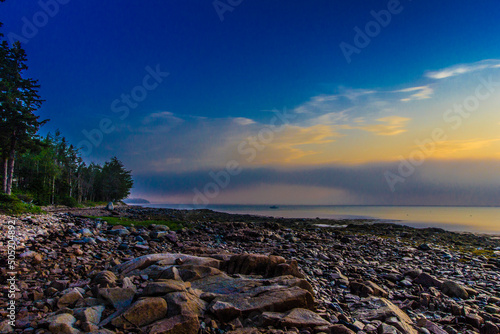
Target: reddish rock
x=180, y=324
x=143, y=312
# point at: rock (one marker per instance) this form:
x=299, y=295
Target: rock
x=268, y=266
x=185, y=303
x=89, y=314
x=5, y=327
x=300, y=318
x=489, y=328
x=110, y=206
x=164, y=259
x=360, y=289
x=424, y=247
x=454, y=289
x=62, y=324
x=172, y=237
x=430, y=326
x=260, y=299
x=471, y=291
x=180, y=324
x=386, y=329
x=427, y=280
x=118, y=297
x=37, y=258
x=414, y=273
x=492, y=309
x=69, y=299
x=340, y=329
x=340, y=279
x=118, y=231
x=86, y=232
x=163, y=287
x=474, y=320
x=105, y=279
x=377, y=290
x=494, y=300
x=143, y=312
x=171, y=273
x=157, y=234
x=59, y=284
x=196, y=272
x=374, y=308
x=366, y=288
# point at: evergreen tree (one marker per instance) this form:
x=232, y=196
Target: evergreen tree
x=18, y=100
x=116, y=180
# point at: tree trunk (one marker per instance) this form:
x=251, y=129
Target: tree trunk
x=5, y=177
x=53, y=189
x=10, y=172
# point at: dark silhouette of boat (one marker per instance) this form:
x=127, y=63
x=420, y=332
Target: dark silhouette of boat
x=273, y=207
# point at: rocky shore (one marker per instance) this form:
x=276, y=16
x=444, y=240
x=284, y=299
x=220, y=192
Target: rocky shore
x=222, y=273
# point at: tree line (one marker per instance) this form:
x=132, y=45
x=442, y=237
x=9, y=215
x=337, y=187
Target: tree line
x=46, y=170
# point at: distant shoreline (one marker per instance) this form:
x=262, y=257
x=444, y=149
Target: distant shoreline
x=467, y=219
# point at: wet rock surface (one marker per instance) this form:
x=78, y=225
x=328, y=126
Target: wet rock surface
x=226, y=273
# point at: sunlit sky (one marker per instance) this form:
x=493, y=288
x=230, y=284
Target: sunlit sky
x=282, y=102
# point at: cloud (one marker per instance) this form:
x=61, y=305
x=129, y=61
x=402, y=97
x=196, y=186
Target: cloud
x=294, y=142
x=391, y=125
x=465, y=182
x=449, y=148
x=463, y=69
x=422, y=92
x=243, y=121
x=348, y=134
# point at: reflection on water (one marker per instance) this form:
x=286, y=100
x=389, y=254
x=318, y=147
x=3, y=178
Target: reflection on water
x=472, y=219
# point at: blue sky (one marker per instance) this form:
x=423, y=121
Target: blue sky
x=227, y=76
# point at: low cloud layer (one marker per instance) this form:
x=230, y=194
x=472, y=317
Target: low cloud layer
x=435, y=182
x=339, y=145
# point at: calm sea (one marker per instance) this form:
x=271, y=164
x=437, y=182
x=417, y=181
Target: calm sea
x=471, y=219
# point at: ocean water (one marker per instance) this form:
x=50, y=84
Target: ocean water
x=466, y=219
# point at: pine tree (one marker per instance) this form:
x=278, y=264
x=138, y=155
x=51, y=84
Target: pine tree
x=18, y=100
x=116, y=180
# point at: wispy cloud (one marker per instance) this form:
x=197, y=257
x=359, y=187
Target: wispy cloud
x=296, y=142
x=390, y=126
x=243, y=121
x=463, y=69
x=449, y=148
x=421, y=92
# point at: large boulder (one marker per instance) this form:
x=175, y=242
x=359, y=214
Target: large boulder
x=427, y=280
x=298, y=317
x=162, y=287
x=143, y=312
x=164, y=259
x=261, y=299
x=62, y=324
x=180, y=324
x=258, y=264
x=69, y=298
x=120, y=298
x=453, y=289
x=185, y=303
